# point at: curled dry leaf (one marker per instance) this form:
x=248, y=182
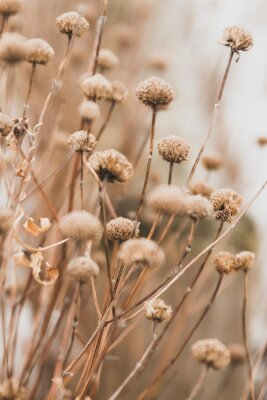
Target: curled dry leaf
x=31, y=227
x=21, y=168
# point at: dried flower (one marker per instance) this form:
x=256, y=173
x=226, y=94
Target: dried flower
x=238, y=353
x=168, y=199
x=198, y=207
x=81, y=269
x=12, y=48
x=6, y=219
x=111, y=165
x=72, y=23
x=157, y=310
x=89, y=110
x=119, y=92
x=142, y=252
x=96, y=87
x=80, y=225
x=212, y=161
x=38, y=51
x=237, y=39
x=174, y=149
x=121, y=229
x=11, y=390
x=224, y=262
x=107, y=59
x=155, y=92
x=9, y=7
x=6, y=124
x=262, y=140
x=245, y=261
x=226, y=204
x=82, y=141
x=211, y=352
x=201, y=188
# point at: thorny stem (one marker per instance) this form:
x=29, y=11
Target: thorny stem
x=199, y=383
x=26, y=104
x=105, y=123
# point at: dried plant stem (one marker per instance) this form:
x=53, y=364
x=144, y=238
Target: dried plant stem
x=170, y=173
x=245, y=339
x=26, y=104
x=199, y=383
x=81, y=178
x=72, y=182
x=94, y=294
x=105, y=123
x=3, y=25
x=101, y=24
x=154, y=226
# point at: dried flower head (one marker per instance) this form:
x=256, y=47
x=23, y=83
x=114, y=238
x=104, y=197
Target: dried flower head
x=121, y=229
x=72, y=24
x=212, y=161
x=174, y=149
x=12, y=390
x=81, y=269
x=6, y=124
x=111, y=165
x=211, y=352
x=198, y=207
x=119, y=92
x=89, y=110
x=237, y=39
x=168, y=199
x=157, y=310
x=38, y=51
x=245, y=261
x=224, y=262
x=238, y=353
x=262, y=140
x=12, y=48
x=226, y=204
x=141, y=252
x=82, y=141
x=6, y=219
x=155, y=92
x=80, y=225
x=10, y=7
x=107, y=59
x=201, y=188
x=96, y=87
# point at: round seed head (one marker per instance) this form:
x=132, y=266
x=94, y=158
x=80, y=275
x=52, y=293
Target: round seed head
x=89, y=110
x=238, y=353
x=224, y=262
x=81, y=269
x=111, y=165
x=155, y=92
x=96, y=87
x=141, y=252
x=6, y=124
x=198, y=207
x=157, y=310
x=72, y=24
x=262, y=140
x=174, y=149
x=212, y=162
x=6, y=219
x=201, y=188
x=119, y=92
x=237, y=38
x=12, y=390
x=82, y=141
x=121, y=229
x=107, y=59
x=226, y=204
x=38, y=51
x=168, y=199
x=80, y=225
x=10, y=7
x=12, y=48
x=211, y=352
x=245, y=261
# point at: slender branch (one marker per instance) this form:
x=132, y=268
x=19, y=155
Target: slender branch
x=26, y=104
x=199, y=383
x=105, y=123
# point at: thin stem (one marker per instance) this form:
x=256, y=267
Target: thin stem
x=102, y=22
x=3, y=25
x=199, y=383
x=96, y=303
x=26, y=104
x=105, y=123
x=170, y=173
x=81, y=179
x=72, y=182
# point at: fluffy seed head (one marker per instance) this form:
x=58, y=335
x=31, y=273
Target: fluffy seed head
x=224, y=262
x=237, y=38
x=201, y=188
x=238, y=353
x=157, y=310
x=96, y=87
x=226, y=204
x=9, y=7
x=198, y=207
x=11, y=390
x=89, y=110
x=245, y=261
x=6, y=124
x=80, y=225
x=119, y=92
x=82, y=141
x=212, y=161
x=107, y=59
x=111, y=165
x=173, y=149
x=155, y=92
x=121, y=229
x=211, y=352
x=168, y=199
x=72, y=23
x=6, y=219
x=142, y=252
x=81, y=269
x=12, y=48
x=38, y=51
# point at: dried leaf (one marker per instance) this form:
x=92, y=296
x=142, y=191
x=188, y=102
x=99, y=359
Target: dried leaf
x=31, y=227
x=23, y=259
x=21, y=168
x=42, y=272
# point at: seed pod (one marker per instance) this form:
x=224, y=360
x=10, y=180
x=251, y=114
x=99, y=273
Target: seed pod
x=155, y=92
x=211, y=352
x=157, y=310
x=141, y=252
x=80, y=225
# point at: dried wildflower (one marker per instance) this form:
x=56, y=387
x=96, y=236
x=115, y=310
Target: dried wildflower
x=211, y=352
x=6, y=219
x=157, y=310
x=11, y=390
x=174, y=149
x=38, y=51
x=212, y=162
x=6, y=124
x=96, y=87
x=155, y=92
x=9, y=7
x=245, y=261
x=238, y=353
x=198, y=207
x=237, y=39
x=142, y=252
x=12, y=48
x=119, y=92
x=89, y=110
x=107, y=59
x=226, y=204
x=262, y=140
x=121, y=229
x=224, y=262
x=81, y=269
x=111, y=165
x=168, y=199
x=80, y=225
x=72, y=24
x=82, y=141
x=201, y=188
x=36, y=229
